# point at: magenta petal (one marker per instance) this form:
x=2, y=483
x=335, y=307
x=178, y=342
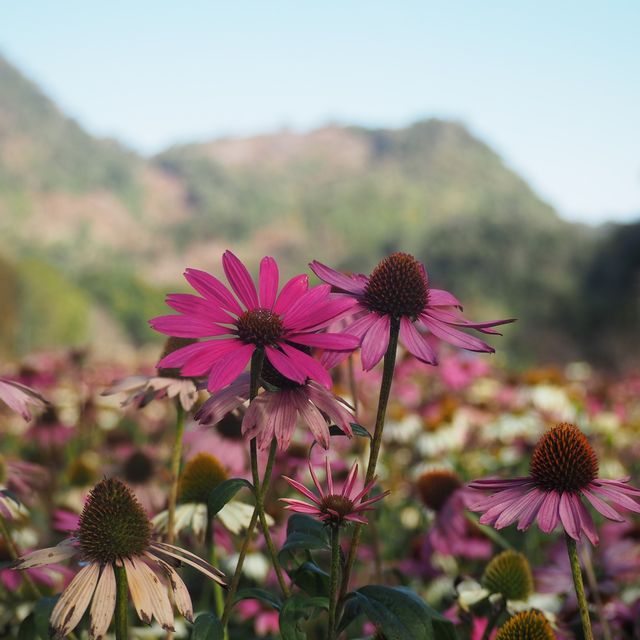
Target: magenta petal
x=570, y=520
x=210, y=287
x=298, y=486
x=200, y=363
x=285, y=365
x=177, y=358
x=229, y=367
x=315, y=421
x=196, y=306
x=323, y=312
x=339, y=280
x=224, y=401
x=415, y=342
x=586, y=522
x=535, y=499
x=601, y=506
x=283, y=417
x=440, y=297
x=618, y=498
x=454, y=336
x=305, y=306
x=292, y=290
x=268, y=281
x=308, y=365
x=331, y=341
x=187, y=327
x=548, y=515
x=375, y=341
x=240, y=280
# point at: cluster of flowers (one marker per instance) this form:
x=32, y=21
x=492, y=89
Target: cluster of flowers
x=292, y=339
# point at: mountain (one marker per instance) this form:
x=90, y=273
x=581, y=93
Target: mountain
x=110, y=230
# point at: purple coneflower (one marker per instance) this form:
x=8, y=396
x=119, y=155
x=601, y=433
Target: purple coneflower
x=114, y=531
x=18, y=397
x=18, y=480
x=398, y=290
x=334, y=508
x=563, y=470
x=261, y=319
x=276, y=411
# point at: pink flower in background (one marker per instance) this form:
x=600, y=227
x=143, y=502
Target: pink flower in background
x=398, y=291
x=331, y=506
x=563, y=470
x=18, y=397
x=48, y=431
x=275, y=413
x=257, y=318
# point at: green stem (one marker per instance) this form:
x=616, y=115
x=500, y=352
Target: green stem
x=493, y=619
x=120, y=617
x=15, y=554
x=383, y=401
x=335, y=579
x=176, y=456
x=593, y=586
x=572, y=550
x=353, y=387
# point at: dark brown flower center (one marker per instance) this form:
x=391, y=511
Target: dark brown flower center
x=230, y=426
x=138, y=468
x=528, y=625
x=261, y=327
x=113, y=524
x=337, y=507
x=563, y=460
x=436, y=487
x=397, y=287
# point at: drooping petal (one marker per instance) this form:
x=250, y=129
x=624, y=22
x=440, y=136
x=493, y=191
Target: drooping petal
x=315, y=420
x=224, y=401
x=157, y=595
x=74, y=600
x=375, y=341
x=268, y=281
x=283, y=418
x=570, y=520
x=137, y=588
x=454, y=336
x=210, y=287
x=617, y=497
x=440, y=297
x=548, y=515
x=586, y=521
x=416, y=343
x=103, y=603
x=229, y=367
x=189, y=558
x=181, y=595
x=601, y=506
x=350, y=284
x=50, y=555
x=240, y=280
x=536, y=498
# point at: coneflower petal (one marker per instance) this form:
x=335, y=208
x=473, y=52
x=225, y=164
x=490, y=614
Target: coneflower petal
x=103, y=603
x=74, y=600
x=139, y=594
x=548, y=515
x=188, y=558
x=180, y=592
x=601, y=506
x=50, y=555
x=157, y=595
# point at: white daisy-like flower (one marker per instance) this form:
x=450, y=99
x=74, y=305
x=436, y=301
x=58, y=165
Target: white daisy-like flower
x=114, y=532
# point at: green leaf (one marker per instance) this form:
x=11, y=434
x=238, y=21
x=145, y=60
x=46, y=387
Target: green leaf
x=41, y=614
x=312, y=579
x=399, y=613
x=27, y=630
x=207, y=627
x=357, y=429
x=263, y=595
x=298, y=608
x=224, y=492
x=305, y=532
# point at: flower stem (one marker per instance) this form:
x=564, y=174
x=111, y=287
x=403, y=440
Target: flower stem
x=374, y=451
x=14, y=554
x=120, y=617
x=175, y=471
x=218, y=596
x=335, y=579
x=493, y=619
x=593, y=586
x=572, y=550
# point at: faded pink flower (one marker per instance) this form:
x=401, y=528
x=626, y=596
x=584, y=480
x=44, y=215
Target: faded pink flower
x=398, y=291
x=563, y=470
x=259, y=318
x=330, y=506
x=18, y=397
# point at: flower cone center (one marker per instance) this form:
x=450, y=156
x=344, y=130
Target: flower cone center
x=509, y=574
x=113, y=523
x=436, y=487
x=337, y=507
x=563, y=460
x=138, y=468
x=201, y=475
x=261, y=327
x=397, y=287
x=528, y=625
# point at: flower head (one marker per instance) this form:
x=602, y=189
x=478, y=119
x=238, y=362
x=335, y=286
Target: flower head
x=275, y=412
x=114, y=531
x=332, y=507
x=528, y=625
x=509, y=574
x=18, y=397
x=252, y=319
x=398, y=290
x=563, y=470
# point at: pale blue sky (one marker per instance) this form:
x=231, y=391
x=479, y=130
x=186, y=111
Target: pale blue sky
x=553, y=86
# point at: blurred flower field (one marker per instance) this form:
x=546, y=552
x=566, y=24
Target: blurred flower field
x=464, y=419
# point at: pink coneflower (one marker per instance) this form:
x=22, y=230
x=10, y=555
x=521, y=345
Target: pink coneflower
x=18, y=479
x=563, y=469
x=114, y=531
x=264, y=320
x=332, y=507
x=48, y=431
x=398, y=291
x=18, y=397
x=442, y=491
x=276, y=411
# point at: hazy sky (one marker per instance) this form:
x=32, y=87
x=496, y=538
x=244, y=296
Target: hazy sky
x=553, y=86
